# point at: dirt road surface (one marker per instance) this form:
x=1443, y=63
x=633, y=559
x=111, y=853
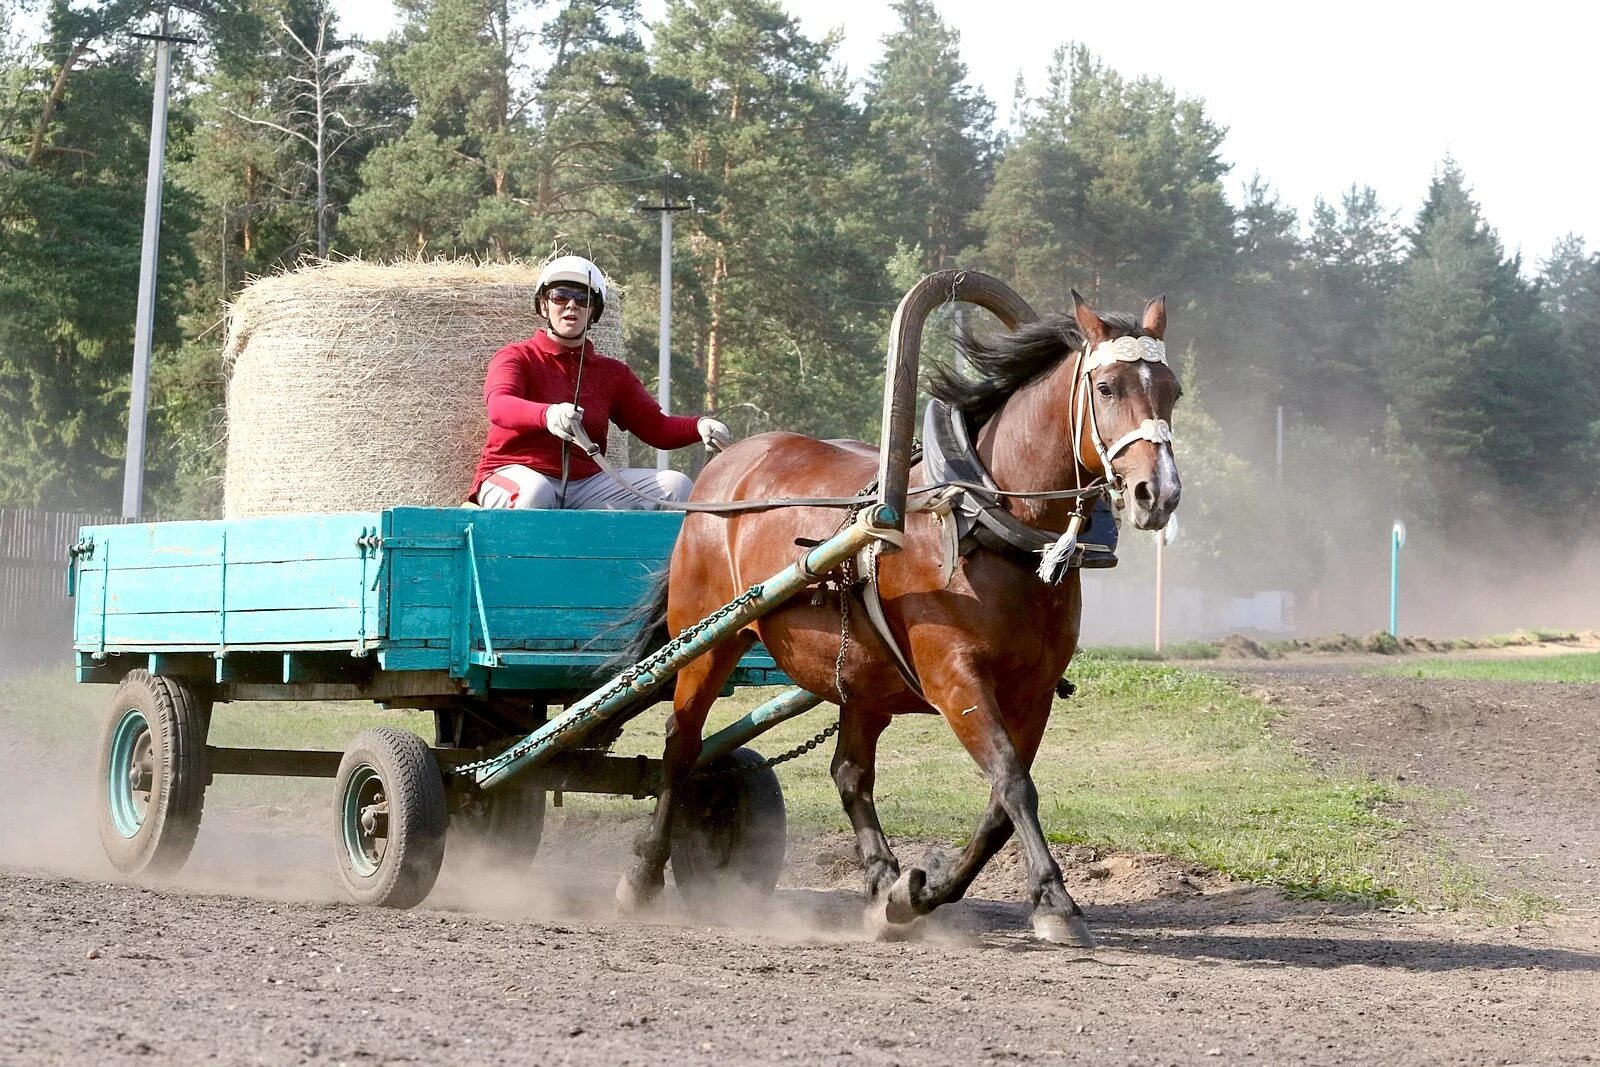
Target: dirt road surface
x=254, y=959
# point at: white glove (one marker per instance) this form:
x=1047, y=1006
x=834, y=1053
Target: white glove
x=714, y=433
x=564, y=420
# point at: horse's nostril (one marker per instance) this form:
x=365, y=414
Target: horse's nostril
x=1142, y=493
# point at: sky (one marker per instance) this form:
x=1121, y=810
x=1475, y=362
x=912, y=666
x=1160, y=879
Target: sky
x=1315, y=97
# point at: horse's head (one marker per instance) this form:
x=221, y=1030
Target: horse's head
x=1122, y=409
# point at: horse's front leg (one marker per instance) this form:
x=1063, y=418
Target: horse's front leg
x=982, y=731
x=934, y=883
x=854, y=772
x=697, y=688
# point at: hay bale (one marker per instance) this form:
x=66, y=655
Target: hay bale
x=357, y=386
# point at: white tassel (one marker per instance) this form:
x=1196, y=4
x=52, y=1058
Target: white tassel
x=1058, y=556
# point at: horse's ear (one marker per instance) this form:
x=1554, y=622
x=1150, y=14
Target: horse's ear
x=1093, y=327
x=1155, y=318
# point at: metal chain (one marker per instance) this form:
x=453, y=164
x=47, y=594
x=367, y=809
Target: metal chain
x=846, y=580
x=799, y=750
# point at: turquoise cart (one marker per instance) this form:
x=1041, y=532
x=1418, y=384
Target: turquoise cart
x=491, y=620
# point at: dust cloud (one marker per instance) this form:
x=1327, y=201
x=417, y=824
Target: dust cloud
x=1311, y=557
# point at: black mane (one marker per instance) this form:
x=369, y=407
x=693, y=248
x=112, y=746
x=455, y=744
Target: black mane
x=1010, y=361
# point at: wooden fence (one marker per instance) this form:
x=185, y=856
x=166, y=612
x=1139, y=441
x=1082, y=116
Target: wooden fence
x=34, y=608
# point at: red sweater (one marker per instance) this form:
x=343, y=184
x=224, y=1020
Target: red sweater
x=526, y=377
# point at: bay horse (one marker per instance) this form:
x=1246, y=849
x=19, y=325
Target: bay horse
x=989, y=645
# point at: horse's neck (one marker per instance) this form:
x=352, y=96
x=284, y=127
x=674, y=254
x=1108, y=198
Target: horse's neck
x=1027, y=447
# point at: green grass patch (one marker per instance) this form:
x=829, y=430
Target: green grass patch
x=1577, y=667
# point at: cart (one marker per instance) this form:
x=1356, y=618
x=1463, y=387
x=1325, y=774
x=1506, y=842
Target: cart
x=501, y=623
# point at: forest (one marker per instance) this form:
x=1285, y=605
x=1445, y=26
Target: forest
x=1418, y=368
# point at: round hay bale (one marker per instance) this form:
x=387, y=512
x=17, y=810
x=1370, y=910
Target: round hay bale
x=356, y=386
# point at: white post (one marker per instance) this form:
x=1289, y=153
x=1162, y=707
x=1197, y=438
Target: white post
x=144, y=321
x=664, y=360
x=1161, y=543
x=1280, y=446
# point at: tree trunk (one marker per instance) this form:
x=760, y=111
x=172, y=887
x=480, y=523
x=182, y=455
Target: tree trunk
x=248, y=229
x=53, y=101
x=714, y=335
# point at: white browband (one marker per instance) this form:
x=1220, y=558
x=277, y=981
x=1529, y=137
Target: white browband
x=1126, y=350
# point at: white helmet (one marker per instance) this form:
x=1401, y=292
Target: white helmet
x=573, y=269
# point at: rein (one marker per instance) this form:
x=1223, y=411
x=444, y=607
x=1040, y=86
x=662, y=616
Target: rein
x=931, y=497
x=928, y=496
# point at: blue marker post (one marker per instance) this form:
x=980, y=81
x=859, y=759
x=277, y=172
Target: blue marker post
x=1397, y=541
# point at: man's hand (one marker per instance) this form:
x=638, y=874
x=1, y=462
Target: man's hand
x=564, y=420
x=714, y=433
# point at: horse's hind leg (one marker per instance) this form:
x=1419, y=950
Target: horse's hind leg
x=697, y=689
x=854, y=771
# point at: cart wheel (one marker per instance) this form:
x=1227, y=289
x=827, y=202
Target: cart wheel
x=502, y=826
x=389, y=818
x=152, y=780
x=729, y=830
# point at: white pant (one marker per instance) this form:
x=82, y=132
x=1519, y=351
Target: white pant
x=517, y=486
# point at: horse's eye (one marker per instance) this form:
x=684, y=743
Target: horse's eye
x=1104, y=387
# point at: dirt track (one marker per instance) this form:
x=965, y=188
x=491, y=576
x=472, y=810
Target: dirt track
x=1191, y=969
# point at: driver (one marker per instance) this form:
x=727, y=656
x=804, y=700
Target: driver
x=539, y=391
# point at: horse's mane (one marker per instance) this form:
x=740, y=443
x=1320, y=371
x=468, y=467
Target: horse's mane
x=1009, y=361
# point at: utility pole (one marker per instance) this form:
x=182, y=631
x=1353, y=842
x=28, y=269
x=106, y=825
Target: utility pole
x=144, y=321
x=664, y=358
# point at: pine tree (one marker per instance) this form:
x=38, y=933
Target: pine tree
x=935, y=137
x=71, y=211
x=1473, y=365
x=1355, y=254
x=1113, y=188
x=788, y=319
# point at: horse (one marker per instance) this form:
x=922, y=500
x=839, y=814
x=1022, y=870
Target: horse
x=989, y=644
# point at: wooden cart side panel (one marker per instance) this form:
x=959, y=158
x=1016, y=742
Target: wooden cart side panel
x=544, y=578
x=273, y=580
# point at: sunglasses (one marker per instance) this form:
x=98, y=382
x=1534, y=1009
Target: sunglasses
x=581, y=297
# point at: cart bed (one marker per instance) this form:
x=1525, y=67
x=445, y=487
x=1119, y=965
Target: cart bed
x=460, y=599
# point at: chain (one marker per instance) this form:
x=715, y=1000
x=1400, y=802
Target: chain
x=799, y=750
x=847, y=577
x=846, y=581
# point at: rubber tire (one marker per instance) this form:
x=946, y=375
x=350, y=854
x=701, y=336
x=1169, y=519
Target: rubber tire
x=418, y=817
x=177, y=722
x=729, y=830
x=508, y=827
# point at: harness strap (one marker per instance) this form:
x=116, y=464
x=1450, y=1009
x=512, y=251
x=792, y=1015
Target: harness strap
x=880, y=622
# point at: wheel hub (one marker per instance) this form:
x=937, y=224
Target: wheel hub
x=130, y=777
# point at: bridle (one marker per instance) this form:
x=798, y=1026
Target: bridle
x=1156, y=431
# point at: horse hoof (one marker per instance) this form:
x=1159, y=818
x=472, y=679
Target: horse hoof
x=878, y=926
x=899, y=906
x=1063, y=930
x=630, y=898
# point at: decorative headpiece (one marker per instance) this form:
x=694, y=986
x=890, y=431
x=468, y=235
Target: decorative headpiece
x=1126, y=350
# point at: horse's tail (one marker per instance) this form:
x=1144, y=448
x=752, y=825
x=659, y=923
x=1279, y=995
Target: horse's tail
x=645, y=626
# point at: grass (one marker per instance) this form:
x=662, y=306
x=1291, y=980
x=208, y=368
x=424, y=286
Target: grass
x=1578, y=667
x=1145, y=758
